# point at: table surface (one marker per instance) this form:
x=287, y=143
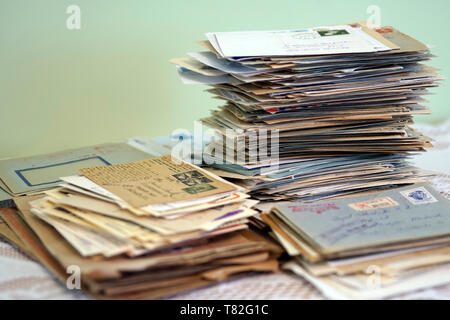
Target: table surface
x=22, y=278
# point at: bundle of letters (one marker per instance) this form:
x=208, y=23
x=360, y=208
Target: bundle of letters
x=370, y=246
x=144, y=229
x=314, y=113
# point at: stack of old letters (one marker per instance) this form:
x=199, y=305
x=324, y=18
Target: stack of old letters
x=314, y=113
x=143, y=229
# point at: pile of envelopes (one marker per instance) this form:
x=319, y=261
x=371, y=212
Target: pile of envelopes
x=143, y=229
x=333, y=105
x=371, y=246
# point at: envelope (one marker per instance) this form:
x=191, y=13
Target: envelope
x=403, y=217
x=32, y=174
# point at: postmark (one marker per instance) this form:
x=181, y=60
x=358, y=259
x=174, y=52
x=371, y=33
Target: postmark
x=314, y=208
x=372, y=204
x=418, y=196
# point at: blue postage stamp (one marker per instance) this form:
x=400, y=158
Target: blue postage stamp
x=418, y=196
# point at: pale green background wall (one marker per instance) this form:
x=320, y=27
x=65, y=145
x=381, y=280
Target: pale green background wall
x=111, y=79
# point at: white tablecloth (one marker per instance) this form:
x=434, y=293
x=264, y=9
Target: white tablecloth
x=21, y=278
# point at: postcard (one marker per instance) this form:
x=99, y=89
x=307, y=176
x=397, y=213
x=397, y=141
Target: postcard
x=312, y=41
x=156, y=181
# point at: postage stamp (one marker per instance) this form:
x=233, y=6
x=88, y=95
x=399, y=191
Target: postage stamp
x=199, y=188
x=372, y=204
x=418, y=196
x=191, y=178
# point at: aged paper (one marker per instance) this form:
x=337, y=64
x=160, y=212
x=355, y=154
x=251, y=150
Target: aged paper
x=156, y=180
